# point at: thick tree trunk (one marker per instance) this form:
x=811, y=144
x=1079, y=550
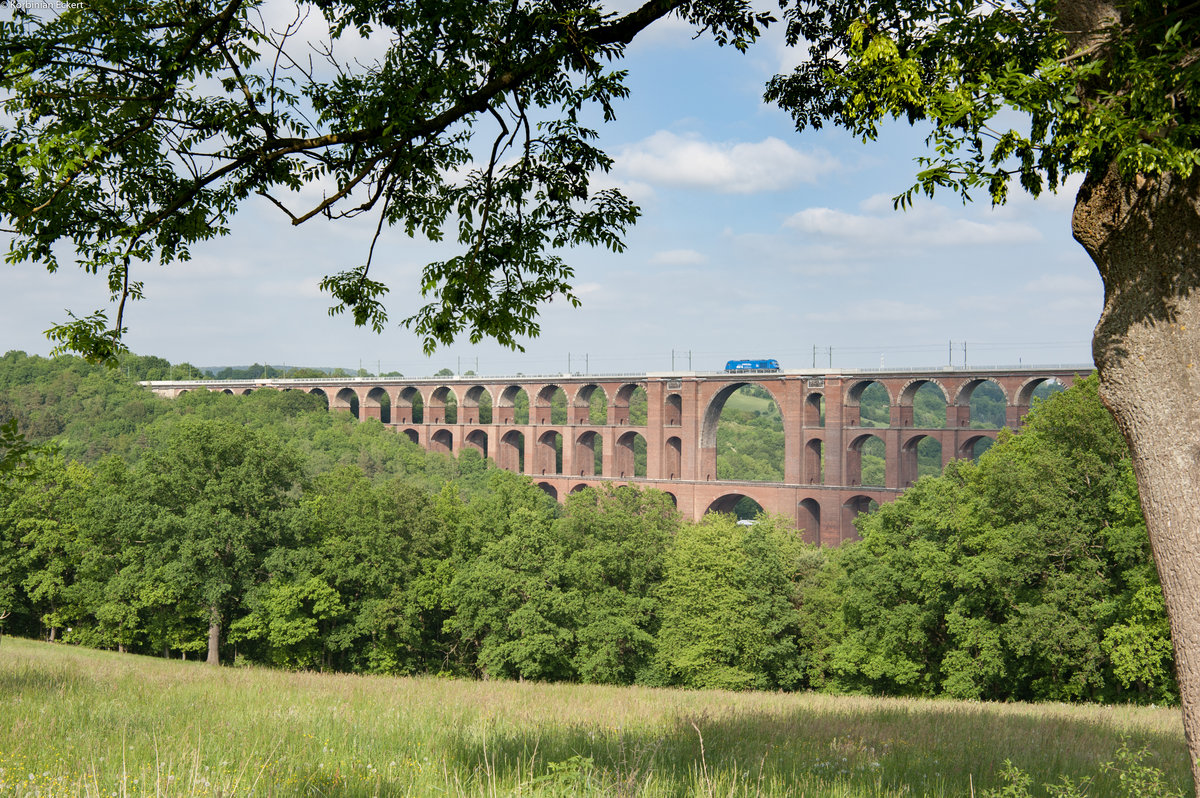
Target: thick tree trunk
x=214, y=636
x=1144, y=235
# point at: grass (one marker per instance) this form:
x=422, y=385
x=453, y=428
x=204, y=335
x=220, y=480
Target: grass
x=80, y=722
x=738, y=400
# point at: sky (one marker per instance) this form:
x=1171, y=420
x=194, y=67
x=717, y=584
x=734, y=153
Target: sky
x=755, y=241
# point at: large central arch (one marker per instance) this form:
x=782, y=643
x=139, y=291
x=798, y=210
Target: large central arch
x=711, y=419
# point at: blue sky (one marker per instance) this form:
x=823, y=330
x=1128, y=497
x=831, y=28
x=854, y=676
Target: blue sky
x=755, y=241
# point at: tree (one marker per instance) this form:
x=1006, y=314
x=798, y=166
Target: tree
x=47, y=523
x=216, y=493
x=165, y=119
x=615, y=539
x=728, y=611
x=1024, y=576
x=351, y=594
x=14, y=450
x=1105, y=88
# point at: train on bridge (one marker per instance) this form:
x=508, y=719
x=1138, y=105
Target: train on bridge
x=752, y=365
x=596, y=442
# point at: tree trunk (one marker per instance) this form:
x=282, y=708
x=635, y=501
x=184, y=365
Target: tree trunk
x=214, y=636
x=1144, y=235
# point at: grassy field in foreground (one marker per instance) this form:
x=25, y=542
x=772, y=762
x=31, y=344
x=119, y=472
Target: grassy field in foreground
x=80, y=722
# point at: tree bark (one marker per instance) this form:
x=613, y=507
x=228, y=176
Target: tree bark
x=1144, y=236
x=214, y=636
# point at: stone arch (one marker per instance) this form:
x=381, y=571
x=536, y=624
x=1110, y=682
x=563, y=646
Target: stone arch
x=814, y=409
x=580, y=486
x=182, y=392
x=909, y=392
x=512, y=452
x=477, y=439
x=346, y=399
x=318, y=392
x=626, y=462
x=851, y=509
x=549, y=489
x=442, y=441
x=711, y=419
x=624, y=401
x=736, y=504
x=248, y=391
x=512, y=399
x=545, y=411
x=228, y=391
x=672, y=497
x=712, y=414
x=808, y=518
x=969, y=448
x=549, y=453
x=673, y=410
x=476, y=404
x=672, y=463
x=967, y=387
x=443, y=406
x=412, y=435
x=410, y=407
x=852, y=412
x=1024, y=394
x=589, y=406
x=378, y=405
x=911, y=452
x=965, y=415
x=814, y=461
x=854, y=455
x=907, y=401
x=589, y=450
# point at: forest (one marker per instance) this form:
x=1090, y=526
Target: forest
x=264, y=529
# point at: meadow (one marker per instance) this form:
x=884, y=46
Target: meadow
x=82, y=722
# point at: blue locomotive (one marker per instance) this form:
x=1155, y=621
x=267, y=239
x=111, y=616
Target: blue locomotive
x=752, y=365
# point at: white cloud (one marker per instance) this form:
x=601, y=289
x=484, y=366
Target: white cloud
x=669, y=159
x=585, y=290
x=922, y=226
x=678, y=257
x=635, y=190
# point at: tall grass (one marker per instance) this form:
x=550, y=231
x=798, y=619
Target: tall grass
x=89, y=723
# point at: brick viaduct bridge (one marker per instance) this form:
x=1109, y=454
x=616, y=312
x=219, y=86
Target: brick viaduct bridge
x=822, y=487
